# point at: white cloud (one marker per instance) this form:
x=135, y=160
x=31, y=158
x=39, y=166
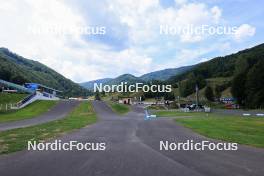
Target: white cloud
x=180, y=2
x=244, y=31
x=82, y=59
x=145, y=17
x=70, y=55
x=217, y=13
x=191, y=56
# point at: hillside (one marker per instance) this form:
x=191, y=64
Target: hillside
x=130, y=79
x=223, y=66
x=213, y=82
x=90, y=84
x=19, y=70
x=242, y=72
x=164, y=74
x=161, y=75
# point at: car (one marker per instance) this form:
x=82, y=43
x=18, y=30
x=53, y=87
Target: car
x=194, y=106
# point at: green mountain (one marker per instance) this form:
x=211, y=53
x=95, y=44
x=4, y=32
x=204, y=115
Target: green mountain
x=223, y=66
x=240, y=73
x=156, y=75
x=130, y=79
x=165, y=74
x=90, y=84
x=19, y=70
x=245, y=68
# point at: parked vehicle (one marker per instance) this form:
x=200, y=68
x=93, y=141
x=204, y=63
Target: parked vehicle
x=194, y=106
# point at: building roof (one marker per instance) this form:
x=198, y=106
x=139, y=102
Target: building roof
x=15, y=86
x=46, y=87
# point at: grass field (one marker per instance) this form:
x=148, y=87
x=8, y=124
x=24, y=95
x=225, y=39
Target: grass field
x=175, y=113
x=249, y=131
x=16, y=139
x=243, y=130
x=30, y=111
x=119, y=108
x=6, y=98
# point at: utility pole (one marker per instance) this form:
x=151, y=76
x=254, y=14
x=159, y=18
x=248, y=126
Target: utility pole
x=197, y=95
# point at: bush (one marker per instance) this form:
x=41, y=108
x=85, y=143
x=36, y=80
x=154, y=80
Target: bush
x=209, y=94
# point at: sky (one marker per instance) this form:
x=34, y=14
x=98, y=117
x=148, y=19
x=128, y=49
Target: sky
x=86, y=39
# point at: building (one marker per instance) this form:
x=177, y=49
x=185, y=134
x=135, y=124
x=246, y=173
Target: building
x=229, y=103
x=35, y=92
x=229, y=100
x=13, y=88
x=44, y=90
x=125, y=100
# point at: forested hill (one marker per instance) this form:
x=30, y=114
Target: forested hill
x=160, y=75
x=165, y=74
x=224, y=66
x=17, y=69
x=246, y=68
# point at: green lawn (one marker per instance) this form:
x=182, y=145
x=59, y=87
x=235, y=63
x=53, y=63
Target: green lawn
x=11, y=97
x=30, y=111
x=243, y=130
x=16, y=139
x=119, y=108
x=174, y=113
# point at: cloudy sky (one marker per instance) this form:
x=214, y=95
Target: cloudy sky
x=87, y=39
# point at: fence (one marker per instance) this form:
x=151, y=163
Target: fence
x=8, y=106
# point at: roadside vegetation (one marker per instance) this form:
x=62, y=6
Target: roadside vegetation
x=119, y=108
x=35, y=109
x=16, y=139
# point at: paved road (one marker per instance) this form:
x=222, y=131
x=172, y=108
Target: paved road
x=133, y=150
x=57, y=112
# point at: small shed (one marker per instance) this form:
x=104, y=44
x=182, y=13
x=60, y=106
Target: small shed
x=125, y=100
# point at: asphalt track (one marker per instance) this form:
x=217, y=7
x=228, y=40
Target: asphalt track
x=57, y=112
x=133, y=150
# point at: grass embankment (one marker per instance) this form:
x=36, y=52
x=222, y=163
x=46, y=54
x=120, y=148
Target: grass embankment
x=242, y=130
x=16, y=139
x=30, y=111
x=6, y=98
x=119, y=108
